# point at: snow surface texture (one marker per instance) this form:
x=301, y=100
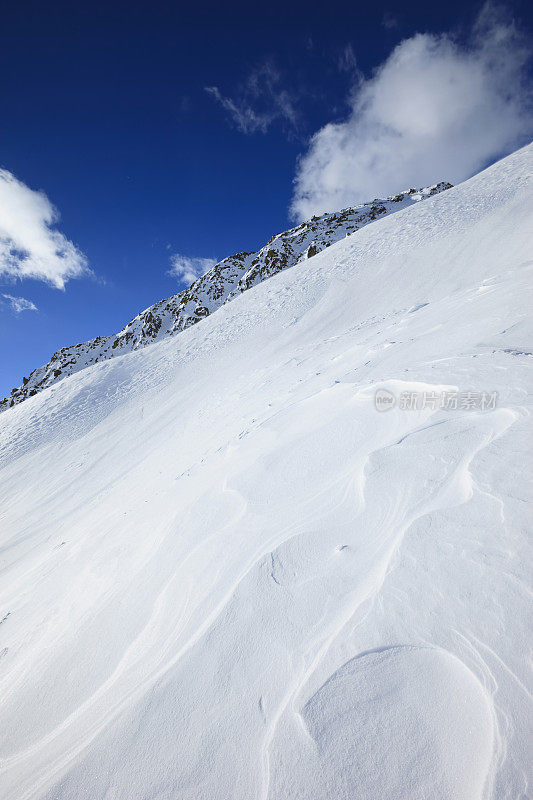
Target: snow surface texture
x=227, y=576
x=221, y=284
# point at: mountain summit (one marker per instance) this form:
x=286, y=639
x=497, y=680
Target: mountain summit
x=223, y=282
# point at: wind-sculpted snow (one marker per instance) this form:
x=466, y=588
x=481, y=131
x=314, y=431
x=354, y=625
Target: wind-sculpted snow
x=226, y=575
x=413, y=695
x=222, y=283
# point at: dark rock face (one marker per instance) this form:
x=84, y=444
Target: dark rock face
x=221, y=284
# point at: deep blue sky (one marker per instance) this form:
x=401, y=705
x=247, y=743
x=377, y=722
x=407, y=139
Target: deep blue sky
x=104, y=109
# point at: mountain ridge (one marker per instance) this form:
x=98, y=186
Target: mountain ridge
x=223, y=282
x=222, y=539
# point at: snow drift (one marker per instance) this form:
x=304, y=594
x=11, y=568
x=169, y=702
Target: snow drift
x=226, y=574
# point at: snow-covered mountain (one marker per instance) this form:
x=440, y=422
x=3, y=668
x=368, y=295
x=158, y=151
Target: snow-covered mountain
x=227, y=575
x=222, y=283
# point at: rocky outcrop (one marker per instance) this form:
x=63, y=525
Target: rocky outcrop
x=221, y=284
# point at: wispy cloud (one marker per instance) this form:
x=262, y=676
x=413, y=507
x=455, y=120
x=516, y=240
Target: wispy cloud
x=389, y=21
x=261, y=101
x=187, y=270
x=436, y=109
x=30, y=244
x=18, y=304
x=245, y=118
x=346, y=61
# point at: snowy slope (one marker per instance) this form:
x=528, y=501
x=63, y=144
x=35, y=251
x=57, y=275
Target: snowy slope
x=221, y=284
x=227, y=576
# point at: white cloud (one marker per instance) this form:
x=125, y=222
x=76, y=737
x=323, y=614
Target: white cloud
x=435, y=110
x=187, y=270
x=259, y=102
x=30, y=245
x=19, y=304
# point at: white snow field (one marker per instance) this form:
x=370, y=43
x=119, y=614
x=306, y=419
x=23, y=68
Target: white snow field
x=226, y=576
